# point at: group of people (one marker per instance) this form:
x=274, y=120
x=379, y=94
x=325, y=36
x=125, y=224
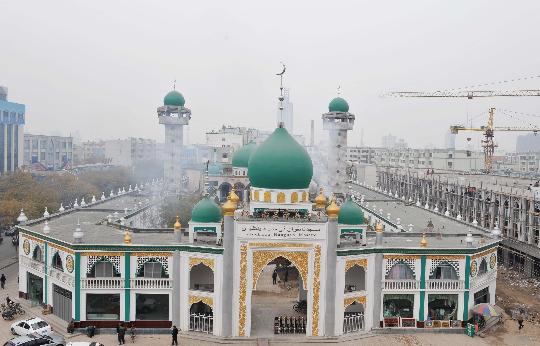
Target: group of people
x=121, y=332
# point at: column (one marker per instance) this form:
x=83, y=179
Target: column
x=127, y=289
x=466, y=292
x=46, y=275
x=175, y=299
x=77, y=293
x=421, y=313
x=228, y=262
x=330, y=285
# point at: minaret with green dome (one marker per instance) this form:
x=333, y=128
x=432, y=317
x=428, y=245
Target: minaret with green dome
x=174, y=115
x=337, y=121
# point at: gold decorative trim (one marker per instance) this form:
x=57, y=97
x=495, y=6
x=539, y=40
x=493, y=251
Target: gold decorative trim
x=485, y=253
x=206, y=300
x=152, y=254
x=243, y=288
x=401, y=257
x=261, y=258
x=361, y=262
x=316, y=291
x=358, y=299
x=61, y=248
x=209, y=262
x=37, y=240
x=445, y=257
x=102, y=253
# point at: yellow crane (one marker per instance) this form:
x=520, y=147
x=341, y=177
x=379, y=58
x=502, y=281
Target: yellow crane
x=487, y=143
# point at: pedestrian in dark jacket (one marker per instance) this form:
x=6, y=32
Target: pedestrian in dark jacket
x=174, y=334
x=274, y=277
x=3, y=281
x=520, y=321
x=121, y=331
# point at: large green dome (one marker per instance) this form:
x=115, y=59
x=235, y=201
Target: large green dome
x=206, y=211
x=174, y=98
x=280, y=163
x=242, y=155
x=350, y=213
x=338, y=105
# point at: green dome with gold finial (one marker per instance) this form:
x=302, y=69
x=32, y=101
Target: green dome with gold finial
x=174, y=98
x=350, y=213
x=338, y=105
x=207, y=211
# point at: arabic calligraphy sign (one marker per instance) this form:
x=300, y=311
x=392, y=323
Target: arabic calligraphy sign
x=280, y=230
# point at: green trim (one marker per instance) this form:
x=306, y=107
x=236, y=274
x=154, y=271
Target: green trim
x=467, y=286
x=204, y=229
x=465, y=305
x=127, y=291
x=415, y=251
x=421, y=312
x=422, y=287
x=352, y=230
x=77, y=286
x=45, y=276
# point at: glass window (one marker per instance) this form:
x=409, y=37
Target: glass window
x=103, y=269
x=102, y=306
x=398, y=305
x=154, y=307
x=400, y=271
x=444, y=272
x=57, y=262
x=483, y=267
x=37, y=255
x=442, y=306
x=39, y=325
x=152, y=270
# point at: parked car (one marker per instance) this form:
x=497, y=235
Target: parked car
x=53, y=339
x=31, y=326
x=84, y=343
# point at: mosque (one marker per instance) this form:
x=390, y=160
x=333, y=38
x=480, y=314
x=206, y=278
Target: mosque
x=351, y=268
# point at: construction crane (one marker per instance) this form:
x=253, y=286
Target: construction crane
x=487, y=143
x=470, y=94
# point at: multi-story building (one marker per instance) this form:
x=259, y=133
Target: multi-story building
x=12, y=120
x=519, y=162
x=440, y=159
x=49, y=152
x=368, y=264
x=527, y=143
x=89, y=152
x=234, y=137
x=362, y=154
x=392, y=142
x=127, y=152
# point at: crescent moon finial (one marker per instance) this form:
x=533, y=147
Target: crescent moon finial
x=282, y=72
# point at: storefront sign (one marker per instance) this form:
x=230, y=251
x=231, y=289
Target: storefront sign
x=280, y=230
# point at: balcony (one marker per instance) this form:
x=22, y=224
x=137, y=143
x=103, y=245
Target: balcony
x=102, y=283
x=151, y=283
x=401, y=285
x=445, y=285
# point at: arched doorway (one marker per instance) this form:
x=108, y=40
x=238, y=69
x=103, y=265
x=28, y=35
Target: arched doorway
x=278, y=300
x=224, y=190
x=353, y=318
x=201, y=318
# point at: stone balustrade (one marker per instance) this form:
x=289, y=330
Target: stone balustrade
x=151, y=283
x=445, y=285
x=102, y=283
x=401, y=284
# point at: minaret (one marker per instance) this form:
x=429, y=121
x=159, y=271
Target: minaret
x=337, y=122
x=174, y=116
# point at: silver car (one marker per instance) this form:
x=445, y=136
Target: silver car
x=53, y=339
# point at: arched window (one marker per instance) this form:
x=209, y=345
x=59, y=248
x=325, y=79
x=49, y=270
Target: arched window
x=37, y=255
x=304, y=196
x=294, y=197
x=201, y=278
x=281, y=197
x=267, y=197
x=152, y=269
x=355, y=279
x=57, y=262
x=444, y=271
x=483, y=267
x=400, y=271
x=256, y=196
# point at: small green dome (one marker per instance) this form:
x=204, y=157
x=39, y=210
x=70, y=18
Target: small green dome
x=242, y=155
x=174, y=98
x=350, y=213
x=338, y=105
x=280, y=163
x=215, y=168
x=206, y=210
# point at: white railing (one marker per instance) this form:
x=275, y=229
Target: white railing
x=30, y=263
x=162, y=283
x=401, y=284
x=353, y=323
x=445, y=285
x=61, y=276
x=483, y=279
x=102, y=283
x=201, y=323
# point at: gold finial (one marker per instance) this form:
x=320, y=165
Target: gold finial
x=379, y=227
x=228, y=207
x=127, y=237
x=423, y=242
x=177, y=224
x=332, y=210
x=320, y=200
x=234, y=197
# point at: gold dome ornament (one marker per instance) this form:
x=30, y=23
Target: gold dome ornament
x=320, y=200
x=177, y=224
x=127, y=237
x=228, y=207
x=332, y=210
x=234, y=197
x=379, y=227
x=423, y=242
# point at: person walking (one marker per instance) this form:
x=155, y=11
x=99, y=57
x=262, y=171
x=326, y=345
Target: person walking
x=286, y=275
x=121, y=331
x=274, y=277
x=3, y=281
x=174, y=334
x=520, y=321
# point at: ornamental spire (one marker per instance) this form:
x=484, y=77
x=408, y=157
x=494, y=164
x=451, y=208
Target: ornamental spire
x=281, y=98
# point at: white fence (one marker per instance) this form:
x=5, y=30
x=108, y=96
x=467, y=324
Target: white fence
x=102, y=283
x=445, y=285
x=353, y=322
x=151, y=283
x=401, y=284
x=201, y=323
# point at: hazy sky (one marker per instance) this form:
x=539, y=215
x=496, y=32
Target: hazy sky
x=100, y=68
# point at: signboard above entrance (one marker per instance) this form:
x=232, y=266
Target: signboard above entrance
x=281, y=230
